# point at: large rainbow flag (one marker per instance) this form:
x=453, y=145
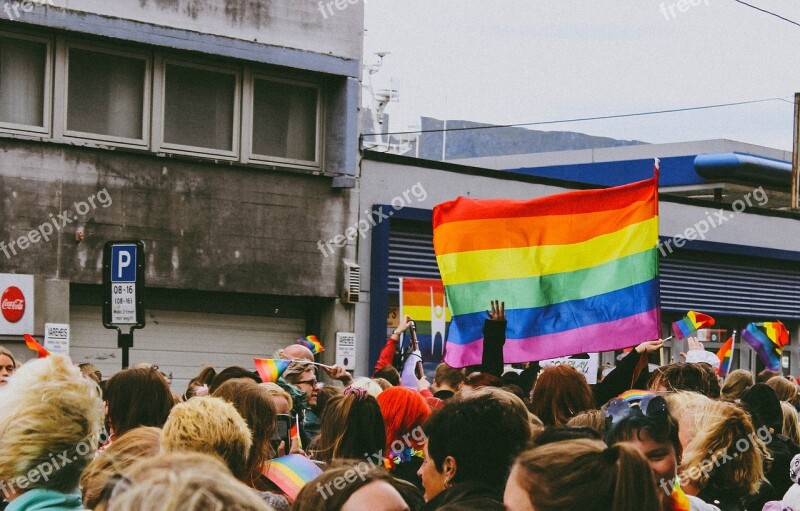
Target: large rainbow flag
x=425, y=301
x=578, y=271
x=768, y=339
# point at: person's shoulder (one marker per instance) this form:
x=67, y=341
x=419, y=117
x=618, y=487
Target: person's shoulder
x=697, y=504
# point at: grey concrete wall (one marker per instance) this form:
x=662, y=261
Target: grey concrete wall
x=296, y=24
x=205, y=226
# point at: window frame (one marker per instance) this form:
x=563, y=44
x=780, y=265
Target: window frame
x=47, y=101
x=72, y=135
x=159, y=102
x=248, y=154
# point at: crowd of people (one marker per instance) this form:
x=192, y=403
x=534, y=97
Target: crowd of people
x=673, y=438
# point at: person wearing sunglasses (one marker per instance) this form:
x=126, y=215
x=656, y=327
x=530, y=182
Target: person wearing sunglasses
x=641, y=419
x=302, y=376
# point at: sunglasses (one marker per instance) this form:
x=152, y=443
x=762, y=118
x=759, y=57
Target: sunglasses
x=650, y=405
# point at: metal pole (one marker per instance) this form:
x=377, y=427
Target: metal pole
x=796, y=152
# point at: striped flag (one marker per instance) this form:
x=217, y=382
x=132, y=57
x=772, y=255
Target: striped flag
x=725, y=355
x=312, y=343
x=577, y=271
x=424, y=300
x=768, y=339
x=691, y=323
x=32, y=344
x=270, y=369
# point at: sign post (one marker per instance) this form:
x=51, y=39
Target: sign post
x=123, y=291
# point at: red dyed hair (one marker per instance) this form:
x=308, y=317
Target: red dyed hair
x=561, y=392
x=403, y=410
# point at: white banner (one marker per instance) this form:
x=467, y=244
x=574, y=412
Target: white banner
x=586, y=366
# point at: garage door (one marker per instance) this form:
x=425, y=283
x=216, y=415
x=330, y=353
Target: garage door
x=181, y=343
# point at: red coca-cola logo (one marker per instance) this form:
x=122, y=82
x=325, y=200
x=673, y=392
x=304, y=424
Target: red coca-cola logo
x=12, y=304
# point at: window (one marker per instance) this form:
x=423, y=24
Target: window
x=285, y=120
x=200, y=108
x=24, y=84
x=106, y=94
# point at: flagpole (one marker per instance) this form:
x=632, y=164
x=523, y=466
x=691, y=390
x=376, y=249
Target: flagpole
x=733, y=349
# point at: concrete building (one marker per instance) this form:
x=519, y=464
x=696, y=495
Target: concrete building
x=741, y=269
x=222, y=134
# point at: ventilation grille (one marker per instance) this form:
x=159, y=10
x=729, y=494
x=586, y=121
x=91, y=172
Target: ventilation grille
x=352, y=283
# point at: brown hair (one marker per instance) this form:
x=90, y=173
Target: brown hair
x=390, y=374
x=784, y=389
x=575, y=475
x=352, y=426
x=736, y=383
x=593, y=419
x=137, y=397
x=791, y=426
x=450, y=376
x=206, y=377
x=136, y=444
x=692, y=377
x=765, y=375
x=561, y=392
x=254, y=404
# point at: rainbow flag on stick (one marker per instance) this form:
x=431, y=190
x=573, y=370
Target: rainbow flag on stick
x=311, y=342
x=577, y=271
x=270, y=369
x=725, y=356
x=691, y=323
x=768, y=339
x=424, y=300
x=32, y=344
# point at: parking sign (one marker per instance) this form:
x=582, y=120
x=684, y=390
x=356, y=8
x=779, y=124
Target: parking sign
x=123, y=277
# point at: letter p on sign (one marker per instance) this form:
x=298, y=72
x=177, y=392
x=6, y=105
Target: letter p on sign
x=123, y=263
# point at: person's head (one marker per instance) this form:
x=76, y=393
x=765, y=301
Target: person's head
x=551, y=434
x=91, y=371
x=368, y=384
x=404, y=411
x=786, y=390
x=680, y=376
x=212, y=426
x=471, y=439
x=766, y=375
x=594, y=419
x=736, y=383
x=137, y=397
x=722, y=449
x=509, y=399
x=352, y=427
x=365, y=488
x=646, y=424
x=281, y=399
x=577, y=475
x=478, y=380
x=254, y=404
x=384, y=384
x=324, y=394
x=764, y=407
x=137, y=444
x=561, y=392
x=303, y=376
x=180, y=482
x=390, y=374
x=791, y=427
x=682, y=401
x=448, y=378
x=47, y=408
x=200, y=384
x=7, y=365
x=232, y=373
x=296, y=352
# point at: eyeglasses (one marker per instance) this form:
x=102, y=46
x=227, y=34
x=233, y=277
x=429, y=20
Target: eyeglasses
x=630, y=403
x=312, y=383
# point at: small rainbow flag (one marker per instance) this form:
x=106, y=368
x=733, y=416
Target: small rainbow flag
x=691, y=323
x=578, y=271
x=290, y=473
x=725, y=355
x=768, y=339
x=679, y=500
x=31, y=343
x=311, y=342
x=270, y=369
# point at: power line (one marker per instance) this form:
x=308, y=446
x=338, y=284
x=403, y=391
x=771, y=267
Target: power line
x=577, y=119
x=767, y=12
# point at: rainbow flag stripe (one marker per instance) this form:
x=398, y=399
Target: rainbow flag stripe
x=290, y=473
x=311, y=342
x=678, y=499
x=691, y=323
x=577, y=271
x=725, y=355
x=32, y=344
x=424, y=300
x=768, y=339
x=270, y=369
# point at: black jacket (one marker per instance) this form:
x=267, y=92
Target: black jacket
x=467, y=496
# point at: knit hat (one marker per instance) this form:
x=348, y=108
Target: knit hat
x=403, y=409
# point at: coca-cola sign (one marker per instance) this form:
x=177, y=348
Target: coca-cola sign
x=12, y=304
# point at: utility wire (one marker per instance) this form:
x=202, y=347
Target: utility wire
x=767, y=12
x=577, y=119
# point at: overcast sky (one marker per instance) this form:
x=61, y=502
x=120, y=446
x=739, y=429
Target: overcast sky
x=517, y=61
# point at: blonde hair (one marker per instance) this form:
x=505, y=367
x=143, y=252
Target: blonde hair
x=275, y=390
x=7, y=352
x=368, y=384
x=593, y=419
x=784, y=389
x=185, y=483
x=47, y=408
x=791, y=425
x=575, y=475
x=681, y=401
x=717, y=429
x=136, y=444
x=209, y=425
x=736, y=383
